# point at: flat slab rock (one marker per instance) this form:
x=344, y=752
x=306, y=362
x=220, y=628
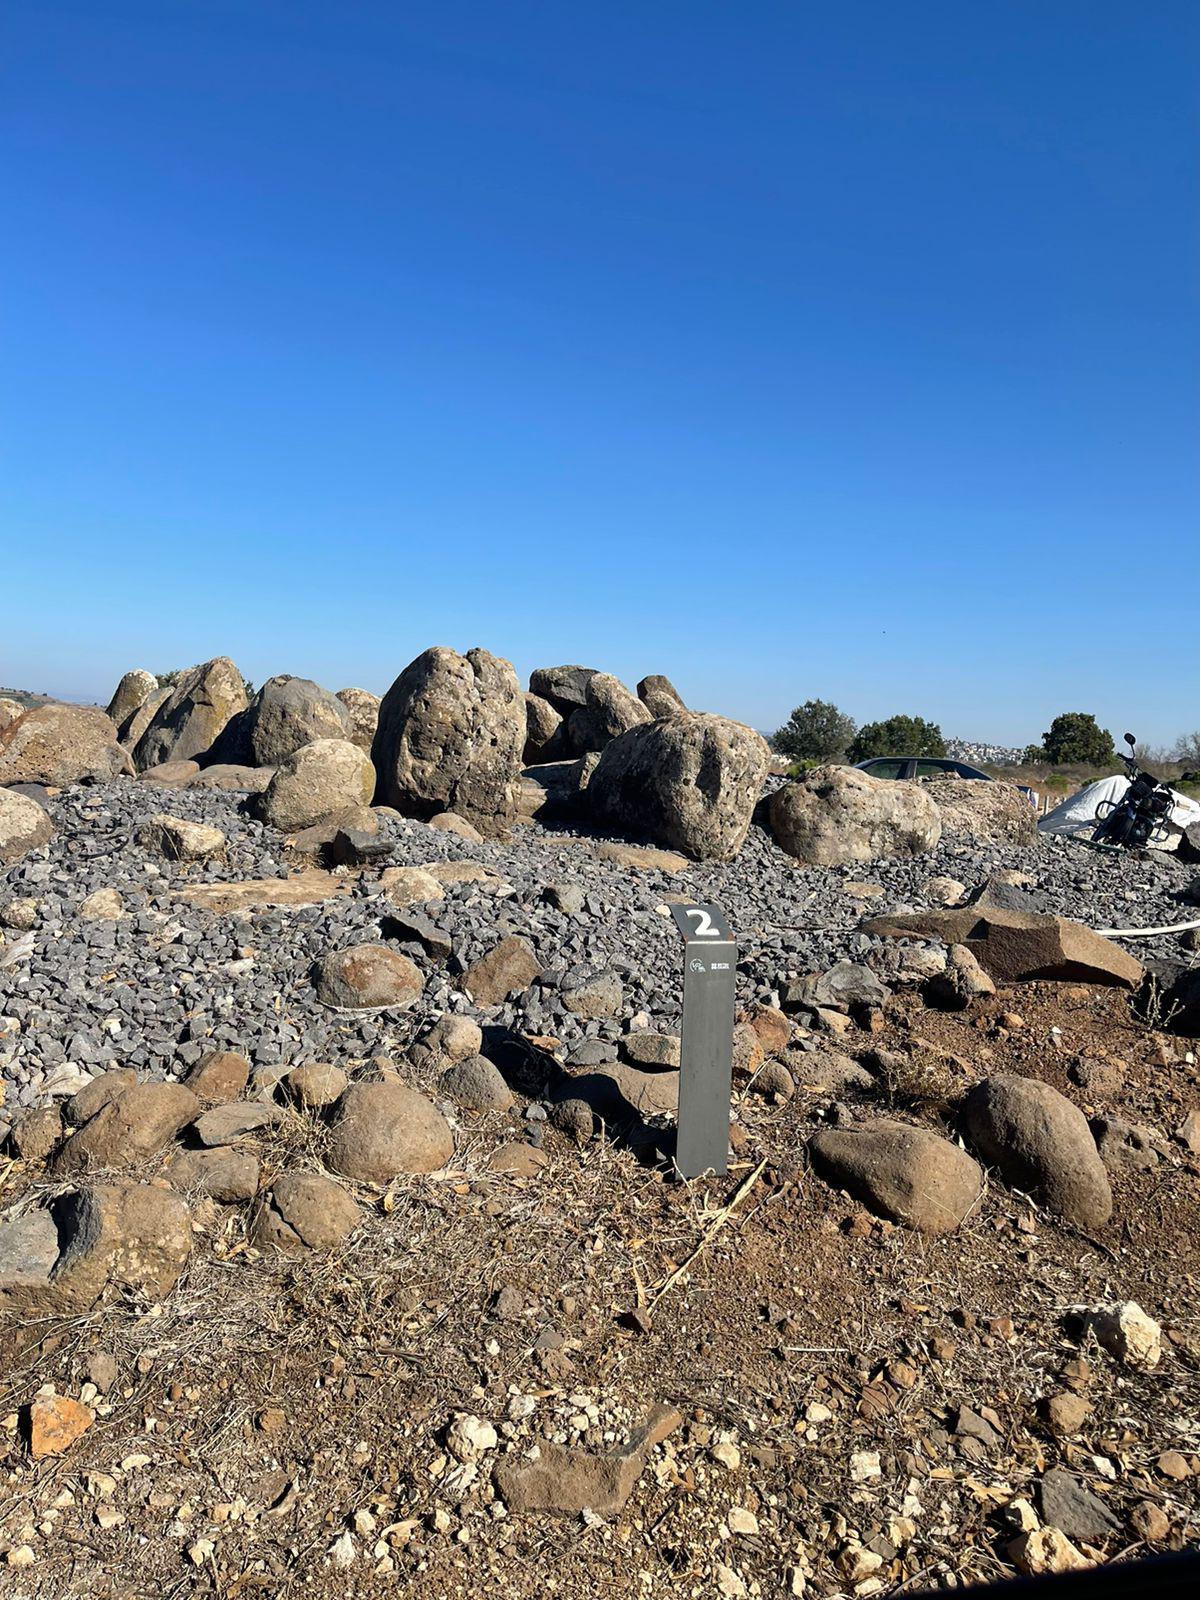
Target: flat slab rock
x=565, y=1482
x=1015, y=945
x=308, y=888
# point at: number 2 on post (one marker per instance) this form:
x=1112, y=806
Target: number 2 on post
x=704, y=928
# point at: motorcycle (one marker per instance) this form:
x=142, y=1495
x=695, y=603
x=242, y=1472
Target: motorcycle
x=1137, y=819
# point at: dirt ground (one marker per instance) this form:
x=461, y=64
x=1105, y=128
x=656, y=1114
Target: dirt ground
x=279, y=1428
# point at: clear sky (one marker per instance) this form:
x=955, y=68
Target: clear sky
x=846, y=350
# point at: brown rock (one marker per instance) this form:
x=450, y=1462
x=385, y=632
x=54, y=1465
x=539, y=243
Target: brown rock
x=772, y=1027
x=57, y=745
x=134, y=689
x=1040, y=1143
x=318, y=781
x=193, y=712
x=178, y=840
x=225, y=1124
x=316, y=1084
x=993, y=813
x=171, y=774
x=1017, y=945
x=24, y=826
x=906, y=1173
x=55, y=1422
x=748, y=1053
x=362, y=708
x=1150, y=1522
x=36, y=1134
x=218, y=1077
x=566, y=1482
x=688, y=782
x=838, y=814
x=409, y=886
x=137, y=1235
x=367, y=975
x=225, y=1174
x=518, y=1159
x=307, y=888
x=961, y=981
x=1064, y=1413
x=303, y=1211
x=508, y=968
x=130, y=1128
x=382, y=1129
x=646, y=1049
x=82, y=1106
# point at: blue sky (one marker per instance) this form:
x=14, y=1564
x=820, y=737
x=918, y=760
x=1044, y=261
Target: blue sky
x=842, y=350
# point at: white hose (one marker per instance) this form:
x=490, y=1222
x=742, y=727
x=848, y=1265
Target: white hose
x=1146, y=933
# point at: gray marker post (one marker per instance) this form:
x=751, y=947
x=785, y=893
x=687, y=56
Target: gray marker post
x=706, y=1067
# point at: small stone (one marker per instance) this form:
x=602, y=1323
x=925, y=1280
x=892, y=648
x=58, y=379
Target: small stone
x=104, y=905
x=316, y=1084
x=469, y=1437
x=55, y=1423
x=218, y=1077
x=728, y=1455
x=864, y=1466
x=1064, y=1414
x=477, y=1085
x=1150, y=1522
x=1188, y=1132
x=1046, y=1550
x=1126, y=1332
x=740, y=1520
x=1174, y=1466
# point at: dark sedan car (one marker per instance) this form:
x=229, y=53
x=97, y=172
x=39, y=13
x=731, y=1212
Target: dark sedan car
x=930, y=767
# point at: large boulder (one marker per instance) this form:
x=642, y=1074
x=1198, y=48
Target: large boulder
x=187, y=722
x=1013, y=946
x=660, y=696
x=450, y=738
x=55, y=745
x=303, y=1211
x=1040, y=1142
x=564, y=687
x=317, y=781
x=543, y=731
x=139, y=719
x=23, y=825
x=362, y=707
x=383, y=1129
x=992, y=813
x=609, y=709
x=688, y=782
x=134, y=689
x=908, y=1174
x=286, y=714
x=838, y=814
x=10, y=710
x=132, y=1126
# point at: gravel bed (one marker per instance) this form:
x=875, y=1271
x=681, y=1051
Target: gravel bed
x=169, y=981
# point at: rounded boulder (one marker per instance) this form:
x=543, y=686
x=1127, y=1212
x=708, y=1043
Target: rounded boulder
x=317, y=781
x=1039, y=1141
x=367, y=975
x=383, y=1129
x=838, y=814
x=688, y=782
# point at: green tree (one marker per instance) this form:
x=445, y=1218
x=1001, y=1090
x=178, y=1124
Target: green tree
x=898, y=736
x=815, y=731
x=1073, y=739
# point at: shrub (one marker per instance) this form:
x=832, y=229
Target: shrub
x=1074, y=739
x=815, y=731
x=898, y=736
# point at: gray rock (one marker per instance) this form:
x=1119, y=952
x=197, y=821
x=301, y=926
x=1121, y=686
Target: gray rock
x=660, y=696
x=592, y=994
x=686, y=783
x=564, y=688
x=188, y=720
x=362, y=709
x=286, y=714
x=839, y=814
x=1067, y=1505
x=450, y=738
x=476, y=1085
x=609, y=709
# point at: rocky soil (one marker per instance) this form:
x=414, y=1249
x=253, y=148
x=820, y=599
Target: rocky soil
x=369, y=1297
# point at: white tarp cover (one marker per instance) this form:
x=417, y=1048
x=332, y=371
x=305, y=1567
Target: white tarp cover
x=1081, y=812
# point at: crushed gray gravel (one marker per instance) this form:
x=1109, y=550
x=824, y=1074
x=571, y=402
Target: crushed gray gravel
x=170, y=981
